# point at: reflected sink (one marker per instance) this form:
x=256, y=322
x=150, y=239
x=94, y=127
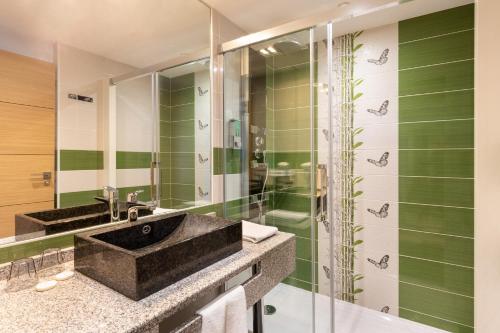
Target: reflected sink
x=137, y=259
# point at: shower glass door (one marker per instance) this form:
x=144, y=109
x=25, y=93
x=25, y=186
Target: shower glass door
x=270, y=160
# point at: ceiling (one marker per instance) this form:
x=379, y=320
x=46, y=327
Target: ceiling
x=134, y=32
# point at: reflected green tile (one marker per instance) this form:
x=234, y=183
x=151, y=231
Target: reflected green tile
x=70, y=199
x=164, y=97
x=181, y=82
x=165, y=176
x=182, y=112
x=303, y=270
x=434, y=322
x=133, y=160
x=439, y=78
x=453, y=192
x=441, y=106
x=292, y=76
x=181, y=97
x=442, y=248
x=292, y=140
x=163, y=82
x=182, y=128
x=459, y=46
x=165, y=191
x=182, y=160
x=165, y=160
x=165, y=144
x=294, y=159
x=19, y=251
x=269, y=77
x=292, y=58
x=181, y=204
x=450, y=278
x=164, y=113
x=291, y=98
x=292, y=119
x=438, y=23
x=233, y=161
x=218, y=161
x=165, y=128
x=303, y=248
x=434, y=135
x=437, y=219
x=81, y=160
x=183, y=144
x=299, y=284
x=437, y=163
x=183, y=176
x=165, y=203
x=459, y=309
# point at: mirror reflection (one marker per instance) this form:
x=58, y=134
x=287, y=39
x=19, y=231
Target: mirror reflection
x=92, y=128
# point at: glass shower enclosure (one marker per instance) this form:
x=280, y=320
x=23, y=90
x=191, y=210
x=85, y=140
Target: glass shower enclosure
x=357, y=137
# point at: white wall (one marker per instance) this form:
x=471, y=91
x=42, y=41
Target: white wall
x=487, y=160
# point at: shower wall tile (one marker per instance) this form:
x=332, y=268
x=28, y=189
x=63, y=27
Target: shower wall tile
x=133, y=160
x=182, y=112
x=436, y=169
x=376, y=162
x=456, y=163
x=442, y=305
x=437, y=135
x=81, y=160
x=437, y=219
x=450, y=278
x=369, y=213
x=435, y=24
x=438, y=106
x=437, y=78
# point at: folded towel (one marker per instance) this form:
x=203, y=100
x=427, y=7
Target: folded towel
x=226, y=314
x=256, y=232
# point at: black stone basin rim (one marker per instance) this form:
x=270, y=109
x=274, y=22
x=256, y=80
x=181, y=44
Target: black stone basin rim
x=150, y=248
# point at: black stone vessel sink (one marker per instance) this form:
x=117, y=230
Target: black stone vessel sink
x=139, y=258
x=53, y=221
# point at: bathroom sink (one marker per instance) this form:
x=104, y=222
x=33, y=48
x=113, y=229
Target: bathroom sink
x=137, y=259
x=53, y=221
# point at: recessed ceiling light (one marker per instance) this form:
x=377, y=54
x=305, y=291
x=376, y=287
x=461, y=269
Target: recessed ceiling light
x=343, y=4
x=264, y=52
x=272, y=49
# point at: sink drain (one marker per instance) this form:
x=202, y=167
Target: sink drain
x=269, y=310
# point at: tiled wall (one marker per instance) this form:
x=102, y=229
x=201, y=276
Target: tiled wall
x=436, y=170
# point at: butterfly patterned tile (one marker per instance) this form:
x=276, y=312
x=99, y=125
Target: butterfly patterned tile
x=379, y=110
x=376, y=213
x=377, y=261
x=381, y=240
x=378, y=136
x=376, y=162
x=377, y=85
x=379, y=52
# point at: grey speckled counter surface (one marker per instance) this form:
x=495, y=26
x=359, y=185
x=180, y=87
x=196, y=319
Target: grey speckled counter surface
x=83, y=305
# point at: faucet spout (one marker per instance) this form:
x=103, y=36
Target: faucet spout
x=113, y=202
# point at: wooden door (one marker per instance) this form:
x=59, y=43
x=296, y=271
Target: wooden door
x=27, y=136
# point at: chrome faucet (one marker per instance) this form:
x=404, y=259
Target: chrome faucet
x=114, y=203
x=133, y=212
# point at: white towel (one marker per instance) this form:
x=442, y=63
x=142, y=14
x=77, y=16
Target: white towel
x=256, y=232
x=226, y=314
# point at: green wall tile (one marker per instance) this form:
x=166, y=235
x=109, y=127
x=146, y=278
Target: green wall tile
x=292, y=76
x=81, y=160
x=165, y=144
x=183, y=176
x=165, y=112
x=165, y=128
x=299, y=284
x=183, y=144
x=303, y=270
x=182, y=191
x=164, y=97
x=183, y=128
x=439, y=78
x=439, y=134
x=182, y=112
x=435, y=322
x=182, y=160
x=303, y=248
x=182, y=82
x=292, y=118
x=450, y=278
x=437, y=163
x=442, y=106
x=133, y=160
x=453, y=192
x=166, y=191
x=145, y=195
x=70, y=199
x=181, y=97
x=443, y=22
x=442, y=248
x=291, y=58
x=294, y=159
x=19, y=251
x=459, y=309
x=437, y=50
x=291, y=98
x=436, y=219
x=218, y=161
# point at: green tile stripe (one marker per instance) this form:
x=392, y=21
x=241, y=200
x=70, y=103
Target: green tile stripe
x=435, y=24
x=133, y=160
x=145, y=195
x=437, y=219
x=81, y=160
x=70, y=199
x=436, y=169
x=233, y=157
x=435, y=322
x=447, y=278
x=447, y=306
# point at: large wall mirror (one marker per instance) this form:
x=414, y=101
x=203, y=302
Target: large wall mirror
x=101, y=104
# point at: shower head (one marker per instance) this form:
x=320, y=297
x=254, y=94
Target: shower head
x=287, y=46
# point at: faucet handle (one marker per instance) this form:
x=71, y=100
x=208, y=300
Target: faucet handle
x=133, y=212
x=110, y=189
x=132, y=197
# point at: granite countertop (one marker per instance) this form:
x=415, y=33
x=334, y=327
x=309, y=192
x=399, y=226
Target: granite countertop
x=84, y=305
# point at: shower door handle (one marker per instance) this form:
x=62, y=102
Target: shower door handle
x=321, y=191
